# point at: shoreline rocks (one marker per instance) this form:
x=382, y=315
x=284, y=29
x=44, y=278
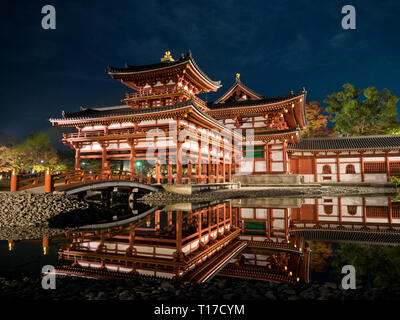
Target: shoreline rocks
x=219, y=288
x=31, y=216
x=165, y=197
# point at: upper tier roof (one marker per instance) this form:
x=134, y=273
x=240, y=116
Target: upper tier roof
x=239, y=84
x=348, y=143
x=247, y=103
x=166, y=64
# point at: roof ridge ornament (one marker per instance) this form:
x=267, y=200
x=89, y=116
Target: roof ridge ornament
x=237, y=77
x=167, y=57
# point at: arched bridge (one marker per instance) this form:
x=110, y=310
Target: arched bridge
x=75, y=181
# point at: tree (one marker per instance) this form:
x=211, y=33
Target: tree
x=362, y=111
x=34, y=154
x=316, y=121
x=376, y=265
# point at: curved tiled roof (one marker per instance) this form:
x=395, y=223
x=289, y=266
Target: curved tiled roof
x=249, y=103
x=241, y=84
x=349, y=235
x=98, y=113
x=161, y=65
x=348, y=143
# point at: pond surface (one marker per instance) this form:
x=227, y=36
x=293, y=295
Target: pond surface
x=286, y=240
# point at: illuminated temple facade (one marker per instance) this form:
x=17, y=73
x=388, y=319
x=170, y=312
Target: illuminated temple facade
x=242, y=133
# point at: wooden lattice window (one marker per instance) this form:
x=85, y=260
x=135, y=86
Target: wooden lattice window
x=328, y=209
x=256, y=152
x=394, y=168
x=374, y=167
x=352, y=210
x=326, y=169
x=350, y=169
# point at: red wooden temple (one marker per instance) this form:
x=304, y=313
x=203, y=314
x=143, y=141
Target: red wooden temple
x=188, y=140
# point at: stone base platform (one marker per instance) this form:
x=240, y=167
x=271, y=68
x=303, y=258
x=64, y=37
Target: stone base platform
x=195, y=188
x=267, y=179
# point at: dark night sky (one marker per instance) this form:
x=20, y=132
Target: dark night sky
x=276, y=46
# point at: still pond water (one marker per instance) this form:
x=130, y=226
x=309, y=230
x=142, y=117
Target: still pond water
x=270, y=239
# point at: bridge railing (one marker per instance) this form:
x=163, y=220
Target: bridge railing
x=60, y=179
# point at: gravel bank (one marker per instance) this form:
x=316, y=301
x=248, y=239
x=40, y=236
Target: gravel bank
x=32, y=216
x=158, y=290
x=164, y=197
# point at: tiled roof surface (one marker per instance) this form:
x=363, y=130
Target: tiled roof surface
x=248, y=103
x=348, y=143
x=163, y=64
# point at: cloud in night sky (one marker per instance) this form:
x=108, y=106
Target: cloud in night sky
x=276, y=46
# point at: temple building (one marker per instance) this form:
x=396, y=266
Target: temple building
x=187, y=140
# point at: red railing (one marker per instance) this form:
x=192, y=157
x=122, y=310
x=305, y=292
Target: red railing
x=68, y=178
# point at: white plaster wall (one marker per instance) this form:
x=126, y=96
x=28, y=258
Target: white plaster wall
x=375, y=177
x=278, y=213
x=277, y=155
x=373, y=159
x=260, y=166
x=261, y=213
x=350, y=177
x=308, y=178
x=277, y=166
x=352, y=201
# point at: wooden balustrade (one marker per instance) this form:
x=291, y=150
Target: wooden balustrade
x=58, y=180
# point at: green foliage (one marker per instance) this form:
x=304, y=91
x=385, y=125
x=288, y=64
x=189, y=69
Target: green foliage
x=363, y=111
x=35, y=153
x=375, y=265
x=395, y=179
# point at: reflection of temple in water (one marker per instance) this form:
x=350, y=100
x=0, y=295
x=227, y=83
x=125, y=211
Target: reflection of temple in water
x=261, y=239
x=184, y=245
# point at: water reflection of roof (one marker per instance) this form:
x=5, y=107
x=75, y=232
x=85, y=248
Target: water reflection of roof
x=360, y=236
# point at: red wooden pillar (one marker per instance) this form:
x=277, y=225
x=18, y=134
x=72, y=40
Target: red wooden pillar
x=132, y=159
x=157, y=220
x=199, y=230
x=45, y=245
x=315, y=168
x=190, y=168
x=104, y=162
x=77, y=158
x=338, y=167
x=387, y=167
x=48, y=182
x=340, y=210
x=267, y=170
x=179, y=162
x=169, y=172
x=14, y=182
x=362, y=168
x=158, y=171
x=390, y=216
x=178, y=234
x=285, y=170
x=209, y=164
x=364, y=211
x=199, y=164
x=230, y=172
x=217, y=171
x=223, y=167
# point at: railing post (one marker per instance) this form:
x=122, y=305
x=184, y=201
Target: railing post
x=48, y=182
x=14, y=182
